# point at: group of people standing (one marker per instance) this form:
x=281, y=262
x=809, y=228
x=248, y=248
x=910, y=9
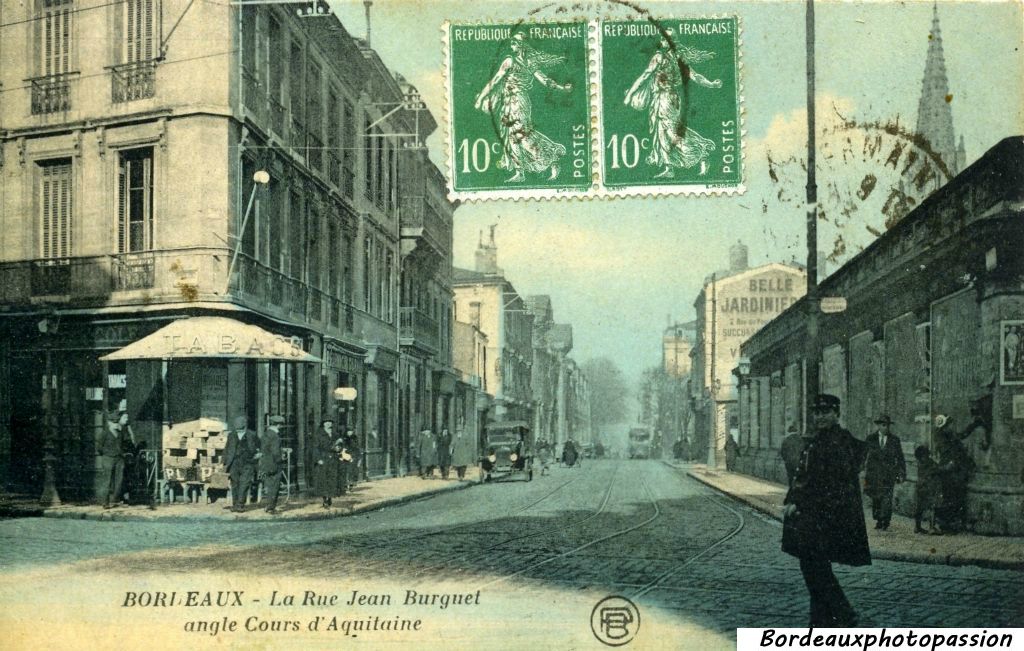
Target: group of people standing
x=335, y=462
x=443, y=451
x=823, y=517
x=251, y=457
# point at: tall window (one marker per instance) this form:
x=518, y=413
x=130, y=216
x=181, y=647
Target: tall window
x=275, y=217
x=332, y=257
x=369, y=142
x=367, y=261
x=348, y=253
x=53, y=31
x=296, y=228
x=389, y=292
x=135, y=200
x=139, y=39
x=55, y=205
x=315, y=217
x=53, y=36
x=348, y=152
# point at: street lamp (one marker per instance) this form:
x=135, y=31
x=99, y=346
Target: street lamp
x=260, y=178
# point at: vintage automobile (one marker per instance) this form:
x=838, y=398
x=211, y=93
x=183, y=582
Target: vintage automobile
x=507, y=451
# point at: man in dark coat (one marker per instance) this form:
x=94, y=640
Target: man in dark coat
x=823, y=519
x=325, y=463
x=348, y=461
x=270, y=463
x=111, y=449
x=444, y=451
x=955, y=466
x=240, y=456
x=427, y=453
x=884, y=467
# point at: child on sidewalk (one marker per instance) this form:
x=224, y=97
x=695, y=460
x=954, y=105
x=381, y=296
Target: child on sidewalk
x=927, y=491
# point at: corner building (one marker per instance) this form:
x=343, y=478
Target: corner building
x=129, y=144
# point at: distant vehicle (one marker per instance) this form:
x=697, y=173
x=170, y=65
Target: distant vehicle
x=640, y=442
x=508, y=451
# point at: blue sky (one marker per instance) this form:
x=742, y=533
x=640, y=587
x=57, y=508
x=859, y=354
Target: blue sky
x=616, y=269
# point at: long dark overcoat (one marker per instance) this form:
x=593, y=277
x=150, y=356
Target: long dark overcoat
x=829, y=518
x=324, y=476
x=883, y=467
x=444, y=448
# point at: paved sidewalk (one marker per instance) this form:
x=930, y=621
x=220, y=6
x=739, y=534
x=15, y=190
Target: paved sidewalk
x=898, y=543
x=366, y=496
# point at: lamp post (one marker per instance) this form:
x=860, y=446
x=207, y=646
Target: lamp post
x=260, y=178
x=812, y=344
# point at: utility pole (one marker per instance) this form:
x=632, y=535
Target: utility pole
x=812, y=353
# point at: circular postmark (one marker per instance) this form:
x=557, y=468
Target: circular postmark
x=615, y=621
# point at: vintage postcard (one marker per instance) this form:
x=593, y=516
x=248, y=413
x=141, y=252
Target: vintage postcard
x=416, y=324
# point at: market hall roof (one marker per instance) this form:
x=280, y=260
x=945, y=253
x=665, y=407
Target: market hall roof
x=217, y=337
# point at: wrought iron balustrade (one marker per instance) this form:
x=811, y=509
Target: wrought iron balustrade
x=132, y=81
x=51, y=94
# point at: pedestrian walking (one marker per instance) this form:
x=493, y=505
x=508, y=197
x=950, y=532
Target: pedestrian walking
x=463, y=452
x=928, y=490
x=348, y=453
x=954, y=467
x=732, y=451
x=427, y=453
x=444, y=451
x=240, y=458
x=325, y=463
x=116, y=437
x=823, y=520
x=270, y=461
x=884, y=467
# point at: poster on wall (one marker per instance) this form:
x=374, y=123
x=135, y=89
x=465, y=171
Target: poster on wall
x=1011, y=352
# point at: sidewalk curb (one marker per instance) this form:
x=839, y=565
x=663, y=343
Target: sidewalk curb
x=880, y=554
x=359, y=509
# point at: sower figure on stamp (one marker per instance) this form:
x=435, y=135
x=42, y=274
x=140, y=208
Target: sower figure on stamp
x=823, y=520
x=115, y=437
x=884, y=467
x=664, y=94
x=270, y=461
x=444, y=451
x=240, y=456
x=325, y=463
x=507, y=97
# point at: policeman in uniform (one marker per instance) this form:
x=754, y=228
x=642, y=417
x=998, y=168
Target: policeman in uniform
x=823, y=517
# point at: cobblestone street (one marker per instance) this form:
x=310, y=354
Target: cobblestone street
x=694, y=560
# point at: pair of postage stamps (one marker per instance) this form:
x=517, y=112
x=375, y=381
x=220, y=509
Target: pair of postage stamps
x=594, y=108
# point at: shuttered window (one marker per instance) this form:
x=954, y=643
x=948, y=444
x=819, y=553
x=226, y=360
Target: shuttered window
x=139, y=43
x=54, y=36
x=135, y=200
x=55, y=205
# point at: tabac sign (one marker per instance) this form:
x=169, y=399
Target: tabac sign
x=214, y=337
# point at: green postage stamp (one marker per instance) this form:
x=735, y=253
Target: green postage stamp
x=519, y=110
x=594, y=108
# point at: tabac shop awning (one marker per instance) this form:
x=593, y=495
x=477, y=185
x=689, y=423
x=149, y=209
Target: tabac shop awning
x=213, y=337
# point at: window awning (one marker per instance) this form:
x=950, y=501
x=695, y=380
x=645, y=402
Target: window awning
x=213, y=337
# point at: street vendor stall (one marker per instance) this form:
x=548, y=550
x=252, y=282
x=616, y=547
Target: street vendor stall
x=212, y=370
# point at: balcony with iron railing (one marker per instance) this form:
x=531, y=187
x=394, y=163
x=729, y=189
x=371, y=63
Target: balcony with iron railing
x=281, y=295
x=151, y=276
x=52, y=93
x=254, y=95
x=132, y=81
x=417, y=220
x=417, y=328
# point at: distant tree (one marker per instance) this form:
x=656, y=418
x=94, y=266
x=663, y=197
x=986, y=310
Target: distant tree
x=608, y=392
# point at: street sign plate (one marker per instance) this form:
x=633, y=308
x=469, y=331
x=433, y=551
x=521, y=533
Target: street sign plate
x=833, y=304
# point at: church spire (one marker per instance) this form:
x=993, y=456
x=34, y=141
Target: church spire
x=934, y=113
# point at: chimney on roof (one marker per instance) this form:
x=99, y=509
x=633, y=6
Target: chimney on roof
x=487, y=255
x=367, y=4
x=738, y=257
